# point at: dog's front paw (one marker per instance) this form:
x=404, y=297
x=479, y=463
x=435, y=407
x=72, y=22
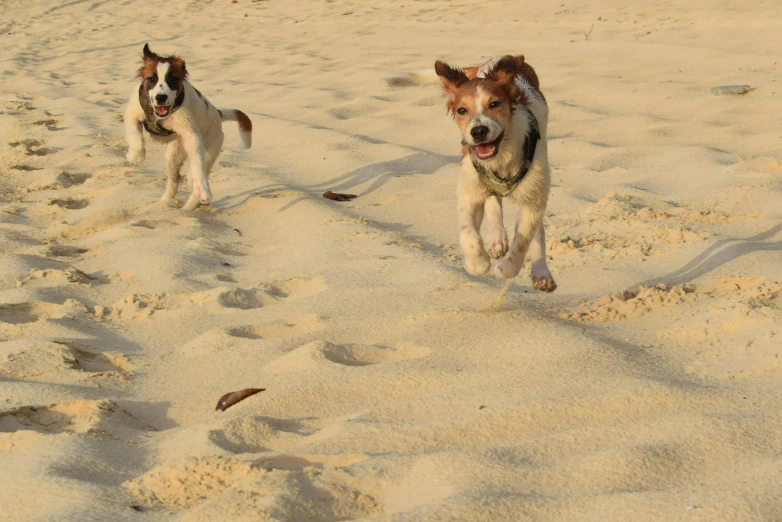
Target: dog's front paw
x=136, y=156
x=543, y=280
x=477, y=265
x=202, y=193
x=544, y=285
x=497, y=243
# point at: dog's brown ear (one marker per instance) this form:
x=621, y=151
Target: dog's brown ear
x=452, y=78
x=149, y=55
x=506, y=69
x=149, y=59
x=505, y=72
x=178, y=64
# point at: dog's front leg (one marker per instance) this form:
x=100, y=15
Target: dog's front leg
x=527, y=224
x=476, y=260
x=175, y=157
x=497, y=237
x=194, y=146
x=135, y=138
x=541, y=276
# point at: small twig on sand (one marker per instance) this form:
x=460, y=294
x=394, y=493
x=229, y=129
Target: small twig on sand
x=336, y=196
x=589, y=34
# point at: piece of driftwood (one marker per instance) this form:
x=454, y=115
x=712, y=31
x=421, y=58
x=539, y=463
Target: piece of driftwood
x=336, y=196
x=229, y=399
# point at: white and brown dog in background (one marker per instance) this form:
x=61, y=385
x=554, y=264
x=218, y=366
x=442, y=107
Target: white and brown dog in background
x=502, y=115
x=172, y=111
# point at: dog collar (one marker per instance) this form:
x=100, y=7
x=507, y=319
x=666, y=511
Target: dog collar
x=150, y=121
x=498, y=186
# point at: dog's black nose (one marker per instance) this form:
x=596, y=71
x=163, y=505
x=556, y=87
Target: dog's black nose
x=479, y=133
x=161, y=98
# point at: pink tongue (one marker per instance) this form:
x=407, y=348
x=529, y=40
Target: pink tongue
x=484, y=150
x=160, y=111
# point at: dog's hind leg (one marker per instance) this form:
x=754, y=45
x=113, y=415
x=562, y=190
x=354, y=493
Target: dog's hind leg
x=530, y=219
x=497, y=237
x=541, y=276
x=175, y=157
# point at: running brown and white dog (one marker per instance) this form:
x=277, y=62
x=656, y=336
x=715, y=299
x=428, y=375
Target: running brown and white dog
x=172, y=111
x=502, y=115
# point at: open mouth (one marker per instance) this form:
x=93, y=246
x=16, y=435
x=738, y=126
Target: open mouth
x=488, y=150
x=162, y=110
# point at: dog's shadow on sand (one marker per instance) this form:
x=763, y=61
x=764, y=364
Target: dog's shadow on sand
x=718, y=254
x=421, y=162
x=380, y=173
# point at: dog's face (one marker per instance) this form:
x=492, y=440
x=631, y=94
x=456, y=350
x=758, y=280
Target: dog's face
x=163, y=79
x=482, y=107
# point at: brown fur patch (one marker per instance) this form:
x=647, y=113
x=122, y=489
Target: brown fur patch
x=244, y=122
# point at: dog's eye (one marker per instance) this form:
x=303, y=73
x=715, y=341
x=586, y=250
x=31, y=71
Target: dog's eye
x=173, y=83
x=461, y=110
x=152, y=80
x=494, y=104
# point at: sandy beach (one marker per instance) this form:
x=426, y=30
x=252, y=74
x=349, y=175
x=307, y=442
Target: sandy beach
x=397, y=386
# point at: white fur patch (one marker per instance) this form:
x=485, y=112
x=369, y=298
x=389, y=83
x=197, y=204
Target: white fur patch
x=480, y=118
x=161, y=87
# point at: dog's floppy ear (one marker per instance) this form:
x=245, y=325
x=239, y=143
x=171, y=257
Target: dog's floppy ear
x=178, y=64
x=452, y=78
x=149, y=62
x=505, y=72
x=149, y=55
x=506, y=69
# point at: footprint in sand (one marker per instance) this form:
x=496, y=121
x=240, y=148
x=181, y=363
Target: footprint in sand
x=74, y=417
x=321, y=354
x=29, y=312
x=219, y=339
x=296, y=287
x=31, y=147
x=65, y=251
x=49, y=123
x=26, y=358
x=24, y=167
x=69, y=203
x=280, y=329
x=67, y=179
x=145, y=223
x=138, y=306
x=57, y=277
x=255, y=434
x=260, y=489
x=632, y=304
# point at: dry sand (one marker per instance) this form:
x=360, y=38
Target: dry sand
x=647, y=387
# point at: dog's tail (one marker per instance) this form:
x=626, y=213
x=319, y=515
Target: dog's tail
x=245, y=125
x=423, y=77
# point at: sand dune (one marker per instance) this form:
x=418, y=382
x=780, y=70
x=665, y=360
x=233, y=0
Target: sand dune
x=397, y=386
